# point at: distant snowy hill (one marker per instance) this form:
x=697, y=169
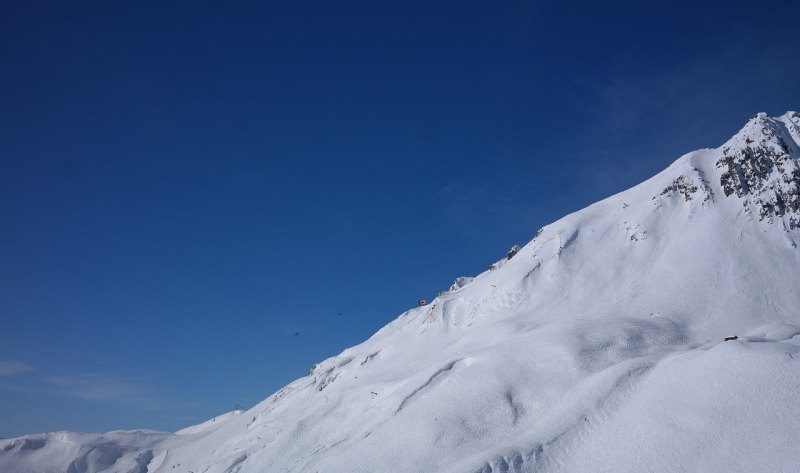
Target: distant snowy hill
x=597, y=347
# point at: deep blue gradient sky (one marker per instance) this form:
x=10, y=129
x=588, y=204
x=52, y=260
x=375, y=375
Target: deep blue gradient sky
x=185, y=185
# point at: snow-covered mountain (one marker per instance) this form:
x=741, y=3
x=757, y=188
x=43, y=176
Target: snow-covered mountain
x=598, y=346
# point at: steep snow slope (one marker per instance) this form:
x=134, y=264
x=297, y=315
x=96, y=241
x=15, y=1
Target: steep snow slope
x=596, y=347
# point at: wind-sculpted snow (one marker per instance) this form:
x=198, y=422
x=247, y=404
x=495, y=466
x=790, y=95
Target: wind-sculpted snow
x=67, y=452
x=598, y=346
x=440, y=373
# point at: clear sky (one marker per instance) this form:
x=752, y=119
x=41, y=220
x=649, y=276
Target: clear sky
x=186, y=185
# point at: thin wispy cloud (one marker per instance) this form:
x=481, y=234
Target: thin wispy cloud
x=117, y=390
x=637, y=121
x=96, y=387
x=13, y=368
x=685, y=98
x=471, y=204
x=91, y=387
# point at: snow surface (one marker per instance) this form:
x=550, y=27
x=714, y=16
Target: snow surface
x=598, y=346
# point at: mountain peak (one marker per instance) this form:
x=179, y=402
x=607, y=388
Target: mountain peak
x=763, y=130
x=590, y=342
x=760, y=165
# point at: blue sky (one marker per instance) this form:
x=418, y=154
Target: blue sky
x=185, y=185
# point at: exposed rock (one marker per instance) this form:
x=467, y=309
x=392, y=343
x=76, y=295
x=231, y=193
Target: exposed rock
x=683, y=186
x=512, y=252
x=765, y=170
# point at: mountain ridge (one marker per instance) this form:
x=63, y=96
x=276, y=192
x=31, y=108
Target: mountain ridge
x=597, y=346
